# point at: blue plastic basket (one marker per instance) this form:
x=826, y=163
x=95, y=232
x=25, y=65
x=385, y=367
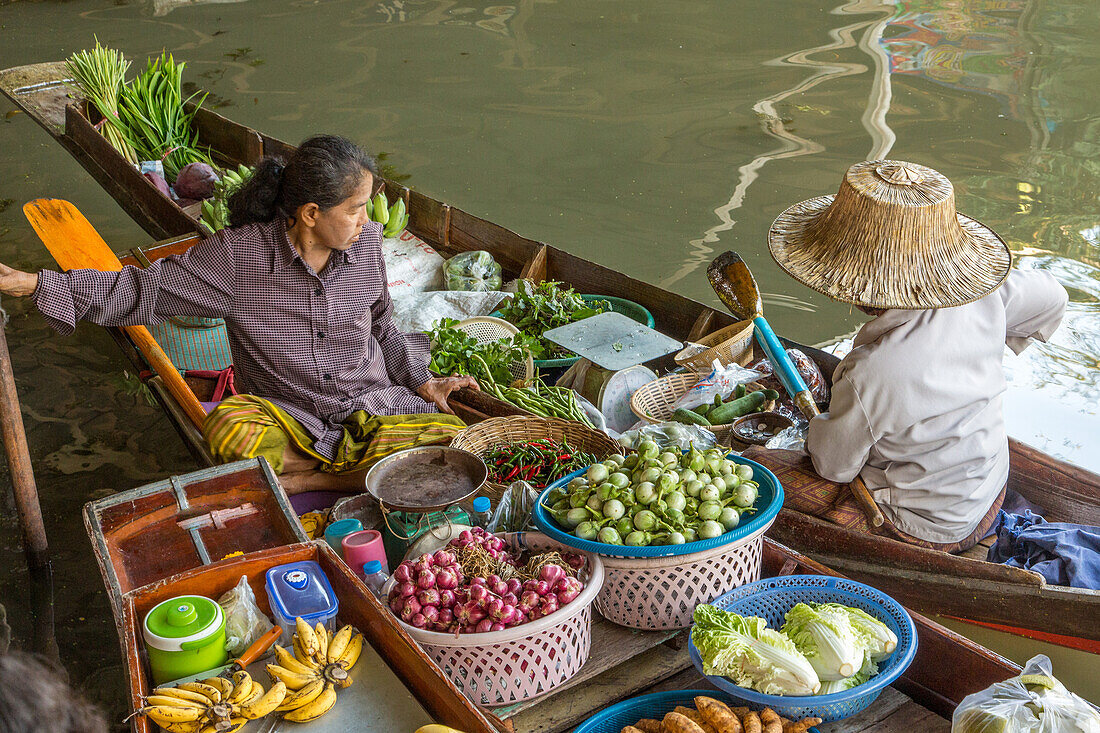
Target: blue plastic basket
x=771, y=598
x=768, y=504
x=656, y=705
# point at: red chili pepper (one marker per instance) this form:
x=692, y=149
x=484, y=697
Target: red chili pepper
x=564, y=457
x=515, y=470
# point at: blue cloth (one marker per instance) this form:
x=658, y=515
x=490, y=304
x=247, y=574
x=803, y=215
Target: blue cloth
x=1063, y=553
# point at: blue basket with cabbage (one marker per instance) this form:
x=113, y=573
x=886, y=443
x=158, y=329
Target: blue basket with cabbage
x=803, y=645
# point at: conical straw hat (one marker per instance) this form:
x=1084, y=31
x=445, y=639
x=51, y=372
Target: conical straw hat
x=890, y=238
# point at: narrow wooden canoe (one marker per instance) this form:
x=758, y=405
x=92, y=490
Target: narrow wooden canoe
x=933, y=582
x=622, y=663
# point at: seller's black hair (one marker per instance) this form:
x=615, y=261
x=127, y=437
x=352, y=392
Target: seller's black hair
x=35, y=697
x=324, y=170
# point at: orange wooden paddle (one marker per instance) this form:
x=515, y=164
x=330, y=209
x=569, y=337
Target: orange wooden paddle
x=76, y=245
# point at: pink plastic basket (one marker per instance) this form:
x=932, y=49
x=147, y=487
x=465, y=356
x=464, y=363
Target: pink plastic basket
x=522, y=662
x=662, y=592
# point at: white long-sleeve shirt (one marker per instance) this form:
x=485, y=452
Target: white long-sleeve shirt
x=916, y=406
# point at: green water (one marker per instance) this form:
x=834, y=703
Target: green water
x=647, y=136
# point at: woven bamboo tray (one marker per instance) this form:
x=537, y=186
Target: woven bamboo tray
x=481, y=437
x=729, y=345
x=654, y=402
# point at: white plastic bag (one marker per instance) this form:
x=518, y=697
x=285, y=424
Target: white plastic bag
x=1033, y=702
x=669, y=435
x=244, y=621
x=721, y=380
x=513, y=511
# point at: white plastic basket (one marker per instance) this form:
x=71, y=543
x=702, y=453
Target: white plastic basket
x=521, y=662
x=662, y=592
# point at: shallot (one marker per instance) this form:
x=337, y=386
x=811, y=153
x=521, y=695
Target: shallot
x=403, y=573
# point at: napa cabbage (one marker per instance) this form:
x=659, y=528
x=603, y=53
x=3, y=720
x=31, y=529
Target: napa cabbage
x=752, y=655
x=866, y=672
x=824, y=634
x=877, y=638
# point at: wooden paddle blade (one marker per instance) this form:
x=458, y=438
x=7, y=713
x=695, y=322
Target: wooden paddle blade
x=735, y=286
x=70, y=238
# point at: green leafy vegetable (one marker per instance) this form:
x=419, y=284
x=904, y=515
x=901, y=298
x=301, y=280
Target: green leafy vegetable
x=536, y=309
x=752, y=655
x=877, y=638
x=456, y=352
x=99, y=76
x=824, y=634
x=866, y=672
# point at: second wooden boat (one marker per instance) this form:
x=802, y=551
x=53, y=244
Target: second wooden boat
x=967, y=587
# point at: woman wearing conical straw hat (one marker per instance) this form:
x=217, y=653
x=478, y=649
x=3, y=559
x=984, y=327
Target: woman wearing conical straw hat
x=916, y=407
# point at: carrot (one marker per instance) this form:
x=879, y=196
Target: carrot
x=771, y=721
x=751, y=723
x=676, y=723
x=718, y=714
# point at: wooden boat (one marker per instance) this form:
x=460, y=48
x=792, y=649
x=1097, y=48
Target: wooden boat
x=962, y=586
x=622, y=663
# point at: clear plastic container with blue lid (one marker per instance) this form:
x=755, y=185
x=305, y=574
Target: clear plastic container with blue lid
x=301, y=589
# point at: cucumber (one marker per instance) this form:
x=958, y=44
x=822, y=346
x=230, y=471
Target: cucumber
x=717, y=400
x=734, y=409
x=688, y=417
x=702, y=409
x=739, y=392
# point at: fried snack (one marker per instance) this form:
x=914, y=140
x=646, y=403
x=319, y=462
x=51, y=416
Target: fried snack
x=771, y=721
x=751, y=722
x=801, y=726
x=718, y=714
x=649, y=725
x=696, y=717
x=676, y=723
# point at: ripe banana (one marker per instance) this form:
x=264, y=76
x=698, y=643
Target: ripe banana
x=242, y=687
x=307, y=638
x=193, y=727
x=351, y=654
x=213, y=694
x=224, y=686
x=169, y=702
x=161, y=714
x=304, y=696
x=236, y=725
x=195, y=698
x=287, y=660
x=338, y=643
x=292, y=680
x=315, y=708
x=322, y=644
x=265, y=703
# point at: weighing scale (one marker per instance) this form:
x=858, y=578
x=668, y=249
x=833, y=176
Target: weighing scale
x=612, y=348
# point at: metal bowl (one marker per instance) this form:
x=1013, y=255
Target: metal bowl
x=425, y=479
x=759, y=427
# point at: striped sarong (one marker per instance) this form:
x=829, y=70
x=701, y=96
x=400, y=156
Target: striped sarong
x=245, y=426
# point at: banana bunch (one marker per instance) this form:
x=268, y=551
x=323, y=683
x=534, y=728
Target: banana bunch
x=215, y=210
x=215, y=705
x=393, y=219
x=314, y=669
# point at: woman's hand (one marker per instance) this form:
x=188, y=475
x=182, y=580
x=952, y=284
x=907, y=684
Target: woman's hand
x=16, y=282
x=437, y=389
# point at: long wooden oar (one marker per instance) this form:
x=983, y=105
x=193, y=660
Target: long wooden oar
x=736, y=288
x=76, y=245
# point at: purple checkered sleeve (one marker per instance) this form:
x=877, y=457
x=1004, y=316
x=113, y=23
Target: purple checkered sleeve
x=321, y=345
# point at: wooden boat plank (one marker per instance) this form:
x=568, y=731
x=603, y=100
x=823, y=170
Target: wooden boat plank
x=635, y=676
x=39, y=91
x=612, y=645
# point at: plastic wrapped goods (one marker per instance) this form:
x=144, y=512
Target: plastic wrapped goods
x=475, y=270
x=244, y=621
x=1033, y=702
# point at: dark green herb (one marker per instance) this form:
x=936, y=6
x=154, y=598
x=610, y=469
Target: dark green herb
x=456, y=352
x=536, y=309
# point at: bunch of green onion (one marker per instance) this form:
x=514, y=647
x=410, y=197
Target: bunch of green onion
x=153, y=111
x=99, y=76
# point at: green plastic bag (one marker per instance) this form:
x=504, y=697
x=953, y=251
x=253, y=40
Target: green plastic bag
x=476, y=270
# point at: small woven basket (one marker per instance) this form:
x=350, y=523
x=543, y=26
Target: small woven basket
x=482, y=437
x=487, y=328
x=521, y=662
x=729, y=345
x=654, y=402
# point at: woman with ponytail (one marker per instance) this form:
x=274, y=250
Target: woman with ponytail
x=299, y=278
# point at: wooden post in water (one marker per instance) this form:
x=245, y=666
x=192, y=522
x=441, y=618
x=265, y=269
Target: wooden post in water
x=19, y=460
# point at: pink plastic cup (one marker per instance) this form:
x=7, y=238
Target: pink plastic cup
x=363, y=546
